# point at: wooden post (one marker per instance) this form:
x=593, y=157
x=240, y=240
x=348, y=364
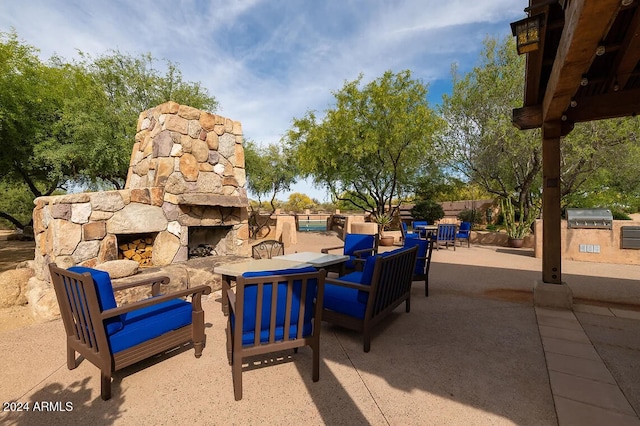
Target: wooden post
x=551, y=215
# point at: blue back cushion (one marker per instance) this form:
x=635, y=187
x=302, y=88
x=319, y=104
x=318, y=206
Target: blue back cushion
x=353, y=242
x=423, y=245
x=464, y=230
x=106, y=299
x=251, y=300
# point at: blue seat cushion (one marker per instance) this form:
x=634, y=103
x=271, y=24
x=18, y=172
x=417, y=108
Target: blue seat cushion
x=106, y=298
x=423, y=245
x=251, y=300
x=343, y=300
x=150, y=322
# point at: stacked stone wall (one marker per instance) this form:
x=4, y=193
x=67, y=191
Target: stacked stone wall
x=186, y=169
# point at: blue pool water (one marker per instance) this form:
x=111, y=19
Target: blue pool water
x=312, y=225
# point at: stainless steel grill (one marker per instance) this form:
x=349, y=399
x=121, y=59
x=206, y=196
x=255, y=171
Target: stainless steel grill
x=589, y=218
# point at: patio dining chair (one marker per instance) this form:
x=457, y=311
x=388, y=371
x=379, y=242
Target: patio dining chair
x=112, y=337
x=405, y=232
x=464, y=233
x=267, y=249
x=271, y=311
x=446, y=235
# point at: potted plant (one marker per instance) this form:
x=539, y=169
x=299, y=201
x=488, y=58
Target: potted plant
x=383, y=221
x=518, y=228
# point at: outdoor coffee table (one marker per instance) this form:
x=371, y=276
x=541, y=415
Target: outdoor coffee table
x=231, y=271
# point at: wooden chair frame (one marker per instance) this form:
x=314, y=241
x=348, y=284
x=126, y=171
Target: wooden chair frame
x=446, y=235
x=424, y=274
x=84, y=323
x=390, y=286
x=236, y=352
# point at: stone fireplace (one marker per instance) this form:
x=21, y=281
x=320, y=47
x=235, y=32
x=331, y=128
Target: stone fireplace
x=184, y=190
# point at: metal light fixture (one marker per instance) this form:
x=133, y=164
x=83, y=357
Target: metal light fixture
x=527, y=33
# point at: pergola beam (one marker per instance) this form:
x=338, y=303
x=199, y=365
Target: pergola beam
x=585, y=24
x=610, y=105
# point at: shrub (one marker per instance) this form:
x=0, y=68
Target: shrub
x=427, y=210
x=620, y=215
x=472, y=216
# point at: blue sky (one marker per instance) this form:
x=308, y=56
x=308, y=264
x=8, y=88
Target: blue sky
x=268, y=61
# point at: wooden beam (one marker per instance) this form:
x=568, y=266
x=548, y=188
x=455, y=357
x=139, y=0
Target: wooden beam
x=610, y=105
x=551, y=212
x=626, y=63
x=586, y=23
x=529, y=117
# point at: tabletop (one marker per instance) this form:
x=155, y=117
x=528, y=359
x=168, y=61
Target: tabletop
x=317, y=260
x=253, y=265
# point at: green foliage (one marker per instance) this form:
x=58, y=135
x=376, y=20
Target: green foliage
x=480, y=139
x=299, y=202
x=383, y=221
x=269, y=169
x=600, y=163
x=517, y=224
x=63, y=123
x=427, y=210
x=471, y=216
x=16, y=205
x=620, y=215
x=599, y=159
x=369, y=148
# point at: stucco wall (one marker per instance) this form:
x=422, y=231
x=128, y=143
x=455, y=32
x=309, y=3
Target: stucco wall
x=604, y=245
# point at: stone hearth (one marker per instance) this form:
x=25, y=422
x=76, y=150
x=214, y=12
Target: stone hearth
x=186, y=170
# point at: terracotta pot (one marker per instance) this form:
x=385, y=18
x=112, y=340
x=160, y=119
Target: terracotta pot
x=386, y=241
x=516, y=242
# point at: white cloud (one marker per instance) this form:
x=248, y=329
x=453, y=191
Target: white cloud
x=267, y=61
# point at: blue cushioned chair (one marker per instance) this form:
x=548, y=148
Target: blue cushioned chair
x=446, y=235
x=265, y=318
x=423, y=260
x=464, y=233
x=361, y=299
x=358, y=247
x=112, y=337
x=405, y=232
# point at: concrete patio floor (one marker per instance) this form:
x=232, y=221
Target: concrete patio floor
x=475, y=352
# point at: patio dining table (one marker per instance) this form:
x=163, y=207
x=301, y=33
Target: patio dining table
x=425, y=229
